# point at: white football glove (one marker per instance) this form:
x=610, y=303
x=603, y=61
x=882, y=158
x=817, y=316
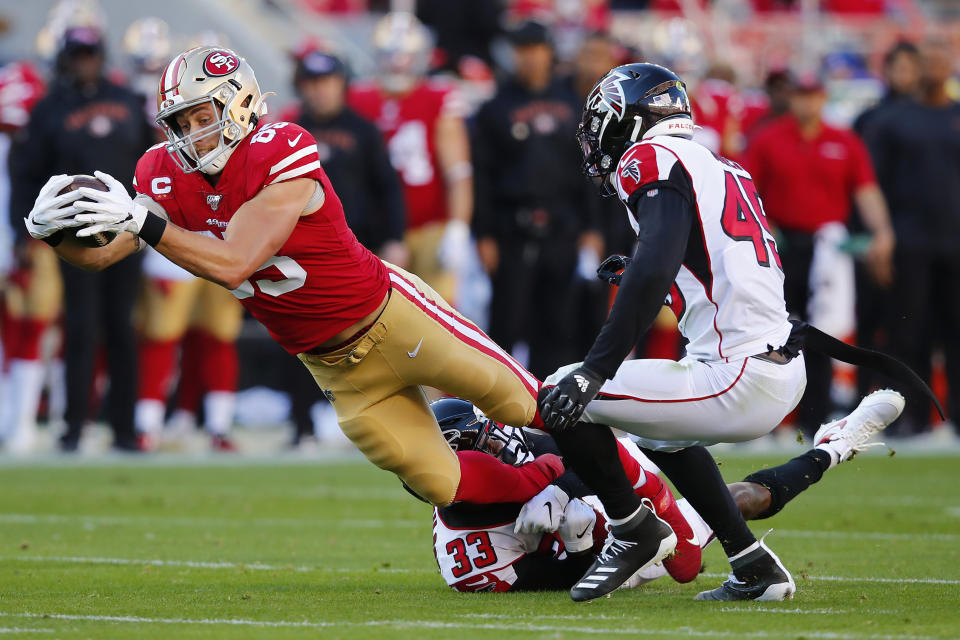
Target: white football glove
x=51, y=212
x=110, y=211
x=455, y=246
x=576, y=529
x=543, y=512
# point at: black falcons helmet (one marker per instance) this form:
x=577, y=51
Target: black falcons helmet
x=627, y=102
x=464, y=431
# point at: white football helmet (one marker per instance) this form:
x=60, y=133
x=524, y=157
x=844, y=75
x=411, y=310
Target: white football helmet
x=225, y=80
x=402, y=47
x=147, y=43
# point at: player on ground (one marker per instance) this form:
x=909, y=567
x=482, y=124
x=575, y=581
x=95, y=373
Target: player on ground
x=248, y=206
x=705, y=247
x=544, y=544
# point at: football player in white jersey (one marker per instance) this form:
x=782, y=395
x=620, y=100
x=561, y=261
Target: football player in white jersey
x=705, y=247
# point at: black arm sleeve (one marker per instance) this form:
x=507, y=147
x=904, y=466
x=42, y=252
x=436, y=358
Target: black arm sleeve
x=385, y=184
x=665, y=217
x=570, y=482
x=540, y=572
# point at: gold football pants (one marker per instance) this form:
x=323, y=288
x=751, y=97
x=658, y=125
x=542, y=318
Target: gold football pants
x=374, y=385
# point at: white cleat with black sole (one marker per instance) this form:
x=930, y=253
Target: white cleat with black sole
x=844, y=438
x=630, y=548
x=757, y=575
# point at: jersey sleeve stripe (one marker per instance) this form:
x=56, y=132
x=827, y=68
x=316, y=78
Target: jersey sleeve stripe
x=293, y=157
x=299, y=171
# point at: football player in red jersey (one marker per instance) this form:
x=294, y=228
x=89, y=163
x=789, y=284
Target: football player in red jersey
x=248, y=206
x=31, y=291
x=422, y=123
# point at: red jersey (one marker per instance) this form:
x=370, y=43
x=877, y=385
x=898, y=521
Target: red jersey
x=21, y=87
x=717, y=110
x=409, y=124
x=807, y=183
x=322, y=280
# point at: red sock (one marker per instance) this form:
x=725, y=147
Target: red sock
x=630, y=465
x=486, y=480
x=191, y=371
x=156, y=368
x=220, y=364
x=29, y=333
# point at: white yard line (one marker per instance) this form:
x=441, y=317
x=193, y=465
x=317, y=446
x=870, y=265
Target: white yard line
x=442, y=624
x=868, y=535
x=24, y=630
x=857, y=579
x=244, y=521
x=197, y=564
x=258, y=566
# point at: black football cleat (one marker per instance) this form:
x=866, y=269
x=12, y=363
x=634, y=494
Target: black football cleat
x=759, y=576
x=630, y=548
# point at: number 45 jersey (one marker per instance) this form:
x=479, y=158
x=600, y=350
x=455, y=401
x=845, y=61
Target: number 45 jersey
x=322, y=280
x=728, y=294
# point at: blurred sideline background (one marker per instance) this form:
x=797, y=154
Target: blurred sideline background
x=513, y=75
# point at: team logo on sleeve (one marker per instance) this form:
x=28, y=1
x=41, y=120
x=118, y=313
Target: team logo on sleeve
x=220, y=63
x=631, y=170
x=609, y=94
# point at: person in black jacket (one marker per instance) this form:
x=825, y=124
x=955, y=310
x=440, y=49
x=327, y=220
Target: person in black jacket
x=530, y=202
x=915, y=144
x=84, y=123
x=353, y=155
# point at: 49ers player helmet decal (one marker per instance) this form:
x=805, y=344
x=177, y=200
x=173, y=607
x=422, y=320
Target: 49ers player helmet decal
x=630, y=102
x=209, y=75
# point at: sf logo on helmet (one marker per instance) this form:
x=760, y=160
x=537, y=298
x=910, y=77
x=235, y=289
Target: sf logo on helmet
x=220, y=63
x=609, y=93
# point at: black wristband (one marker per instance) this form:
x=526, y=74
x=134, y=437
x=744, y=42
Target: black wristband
x=54, y=238
x=152, y=229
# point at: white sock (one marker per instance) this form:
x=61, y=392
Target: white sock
x=218, y=408
x=148, y=416
x=614, y=522
x=753, y=547
x=832, y=452
x=26, y=382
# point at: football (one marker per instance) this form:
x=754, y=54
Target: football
x=97, y=239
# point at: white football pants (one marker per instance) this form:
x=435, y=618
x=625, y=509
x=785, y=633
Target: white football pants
x=671, y=405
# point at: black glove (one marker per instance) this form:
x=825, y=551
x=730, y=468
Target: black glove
x=564, y=404
x=610, y=270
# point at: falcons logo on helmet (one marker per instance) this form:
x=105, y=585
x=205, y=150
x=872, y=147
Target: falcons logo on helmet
x=609, y=93
x=631, y=170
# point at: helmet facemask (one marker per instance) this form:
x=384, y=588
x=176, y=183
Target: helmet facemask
x=183, y=147
x=505, y=443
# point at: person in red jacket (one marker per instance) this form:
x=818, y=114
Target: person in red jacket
x=810, y=173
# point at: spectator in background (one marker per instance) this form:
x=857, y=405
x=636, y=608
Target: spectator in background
x=84, y=123
x=422, y=122
x=916, y=147
x=808, y=173
x=759, y=111
x=901, y=74
x=531, y=203
x=353, y=154
x=464, y=28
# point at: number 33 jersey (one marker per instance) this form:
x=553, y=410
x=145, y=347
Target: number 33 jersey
x=322, y=280
x=728, y=294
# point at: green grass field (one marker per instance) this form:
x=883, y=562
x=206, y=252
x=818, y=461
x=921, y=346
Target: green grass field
x=291, y=549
